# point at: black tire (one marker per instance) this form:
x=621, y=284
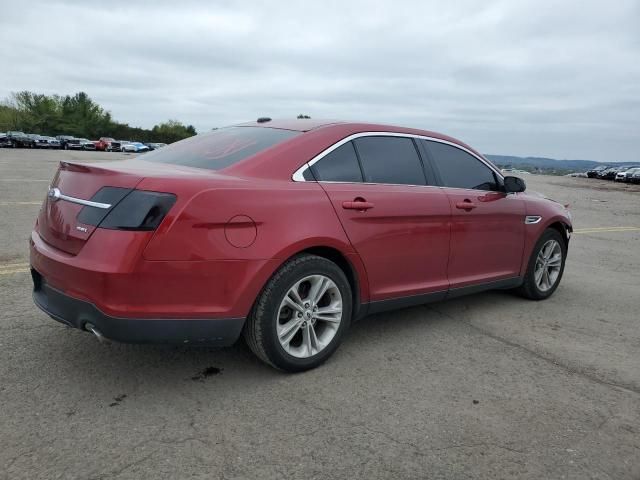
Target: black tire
x=529, y=289
x=260, y=328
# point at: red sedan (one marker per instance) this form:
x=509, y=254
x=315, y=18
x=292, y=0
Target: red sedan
x=285, y=232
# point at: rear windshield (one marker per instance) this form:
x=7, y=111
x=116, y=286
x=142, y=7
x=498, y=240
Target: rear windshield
x=220, y=148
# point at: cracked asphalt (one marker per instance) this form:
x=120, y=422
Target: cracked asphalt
x=487, y=386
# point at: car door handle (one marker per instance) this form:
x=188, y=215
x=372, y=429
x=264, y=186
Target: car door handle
x=357, y=204
x=466, y=205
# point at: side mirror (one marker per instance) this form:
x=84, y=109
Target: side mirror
x=514, y=185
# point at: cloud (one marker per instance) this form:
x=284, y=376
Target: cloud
x=511, y=77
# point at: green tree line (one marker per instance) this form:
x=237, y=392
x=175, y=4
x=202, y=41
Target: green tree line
x=80, y=116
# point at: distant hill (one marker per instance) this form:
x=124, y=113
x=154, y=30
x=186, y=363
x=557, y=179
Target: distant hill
x=548, y=165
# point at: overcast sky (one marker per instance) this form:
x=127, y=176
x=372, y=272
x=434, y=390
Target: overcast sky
x=531, y=78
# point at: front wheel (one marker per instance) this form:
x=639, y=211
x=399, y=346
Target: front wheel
x=301, y=315
x=546, y=266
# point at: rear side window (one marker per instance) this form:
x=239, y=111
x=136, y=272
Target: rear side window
x=458, y=169
x=220, y=148
x=392, y=160
x=341, y=165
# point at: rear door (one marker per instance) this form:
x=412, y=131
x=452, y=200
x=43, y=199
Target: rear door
x=394, y=216
x=487, y=225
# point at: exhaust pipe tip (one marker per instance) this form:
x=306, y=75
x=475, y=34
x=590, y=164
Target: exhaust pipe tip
x=90, y=327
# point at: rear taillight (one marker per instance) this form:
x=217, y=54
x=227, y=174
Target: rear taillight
x=130, y=209
x=109, y=195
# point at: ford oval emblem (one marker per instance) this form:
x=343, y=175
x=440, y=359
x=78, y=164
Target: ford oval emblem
x=54, y=194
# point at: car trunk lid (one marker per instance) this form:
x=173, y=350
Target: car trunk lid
x=72, y=185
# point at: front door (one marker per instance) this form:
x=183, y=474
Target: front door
x=487, y=236
x=487, y=225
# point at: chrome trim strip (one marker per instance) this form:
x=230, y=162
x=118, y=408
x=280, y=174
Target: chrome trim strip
x=532, y=219
x=373, y=183
x=87, y=203
x=55, y=194
x=298, y=174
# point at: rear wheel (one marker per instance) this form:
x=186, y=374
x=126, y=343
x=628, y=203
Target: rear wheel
x=302, y=314
x=546, y=266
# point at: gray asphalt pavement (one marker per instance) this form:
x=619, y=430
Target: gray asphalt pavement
x=487, y=386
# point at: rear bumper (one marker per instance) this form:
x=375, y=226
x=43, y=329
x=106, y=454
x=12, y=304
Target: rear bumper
x=130, y=299
x=77, y=313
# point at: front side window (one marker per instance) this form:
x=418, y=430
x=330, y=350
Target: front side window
x=340, y=165
x=459, y=169
x=392, y=160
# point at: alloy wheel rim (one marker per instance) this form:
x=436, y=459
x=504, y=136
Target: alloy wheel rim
x=548, y=265
x=309, y=316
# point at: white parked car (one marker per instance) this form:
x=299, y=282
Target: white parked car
x=135, y=147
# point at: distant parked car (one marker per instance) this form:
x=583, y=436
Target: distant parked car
x=39, y=141
x=122, y=144
x=155, y=146
x=52, y=142
x=135, y=147
x=72, y=144
x=65, y=140
x=20, y=140
x=107, y=144
x=4, y=140
x=609, y=173
x=80, y=144
x=625, y=173
x=635, y=178
x=630, y=173
x=515, y=172
x=593, y=173
x=86, y=144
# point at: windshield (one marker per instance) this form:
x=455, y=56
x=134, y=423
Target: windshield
x=220, y=148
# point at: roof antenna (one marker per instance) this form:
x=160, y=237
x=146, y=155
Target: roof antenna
x=264, y=119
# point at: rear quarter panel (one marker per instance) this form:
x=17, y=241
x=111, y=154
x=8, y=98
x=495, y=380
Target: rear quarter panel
x=272, y=220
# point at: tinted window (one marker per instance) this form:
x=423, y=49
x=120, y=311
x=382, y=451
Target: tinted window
x=341, y=165
x=459, y=169
x=220, y=148
x=390, y=160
